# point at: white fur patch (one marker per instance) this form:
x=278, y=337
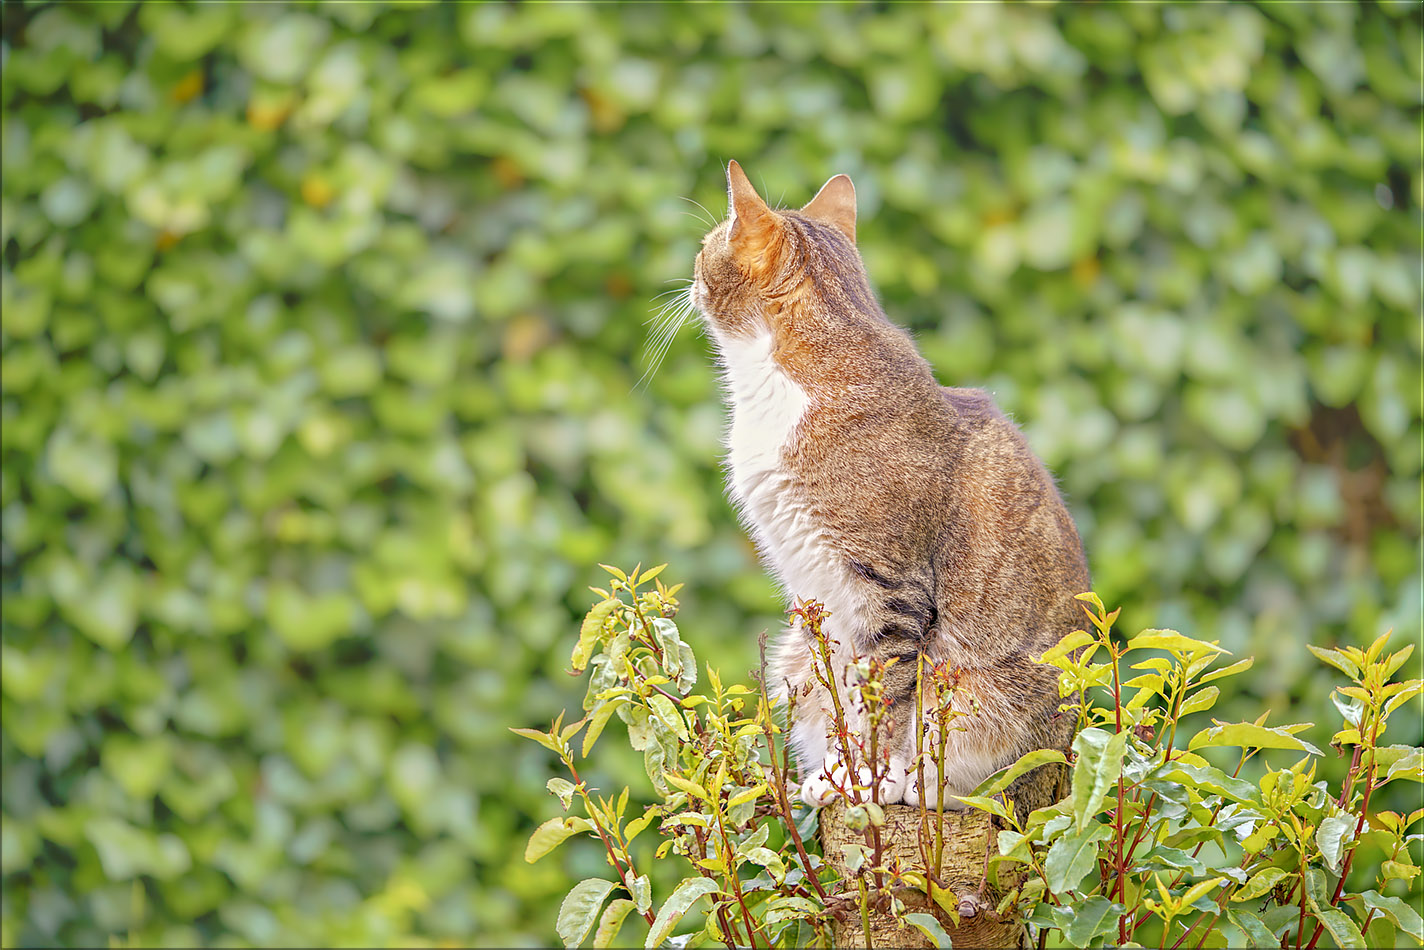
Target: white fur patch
x=767, y=406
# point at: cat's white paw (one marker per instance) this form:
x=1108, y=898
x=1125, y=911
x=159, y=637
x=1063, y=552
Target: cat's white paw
x=820, y=788
x=912, y=796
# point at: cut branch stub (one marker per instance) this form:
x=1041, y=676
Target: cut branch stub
x=969, y=836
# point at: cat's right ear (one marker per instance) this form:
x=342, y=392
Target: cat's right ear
x=751, y=220
x=835, y=205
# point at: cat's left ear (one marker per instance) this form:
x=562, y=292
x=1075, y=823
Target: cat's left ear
x=751, y=220
x=834, y=204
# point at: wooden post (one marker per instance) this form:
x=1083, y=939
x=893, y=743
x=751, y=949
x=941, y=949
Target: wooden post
x=969, y=836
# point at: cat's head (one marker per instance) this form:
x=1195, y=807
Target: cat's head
x=760, y=261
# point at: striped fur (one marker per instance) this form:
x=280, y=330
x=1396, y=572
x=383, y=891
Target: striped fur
x=916, y=513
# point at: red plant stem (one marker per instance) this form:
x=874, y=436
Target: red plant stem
x=785, y=807
x=1117, y=818
x=729, y=934
x=732, y=871
x=1359, y=826
x=612, y=856
x=1188, y=932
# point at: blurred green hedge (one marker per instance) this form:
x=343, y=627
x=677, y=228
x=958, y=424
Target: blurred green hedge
x=321, y=326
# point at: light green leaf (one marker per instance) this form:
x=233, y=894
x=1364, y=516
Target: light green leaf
x=580, y=909
x=1207, y=779
x=1240, y=666
x=996, y=783
x=1094, y=916
x=553, y=833
x=931, y=928
x=1098, y=767
x=993, y=805
x=1261, y=882
x=1253, y=927
x=611, y=922
x=1248, y=735
x=598, y=719
x=1336, y=659
x=1409, y=767
x=668, y=715
x=677, y=904
x=1332, y=836
x=1201, y=700
x=642, y=890
x=1403, y=915
x=1067, y=645
x=1179, y=645
x=1073, y=856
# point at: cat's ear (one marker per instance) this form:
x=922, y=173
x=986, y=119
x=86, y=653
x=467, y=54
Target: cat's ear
x=750, y=218
x=834, y=204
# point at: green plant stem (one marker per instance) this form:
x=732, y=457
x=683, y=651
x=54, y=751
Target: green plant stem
x=864, y=909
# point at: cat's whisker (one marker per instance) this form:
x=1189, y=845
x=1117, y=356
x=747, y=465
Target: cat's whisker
x=700, y=219
x=712, y=217
x=662, y=342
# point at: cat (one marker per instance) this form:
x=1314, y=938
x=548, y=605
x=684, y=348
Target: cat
x=917, y=514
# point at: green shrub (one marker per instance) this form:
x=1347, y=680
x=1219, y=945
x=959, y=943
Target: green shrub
x=1152, y=842
x=320, y=326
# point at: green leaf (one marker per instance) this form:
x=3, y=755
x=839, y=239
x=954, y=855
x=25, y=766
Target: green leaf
x=1332, y=836
x=1404, y=916
x=1261, y=882
x=553, y=833
x=642, y=890
x=1201, y=700
x=687, y=785
x=546, y=740
x=1240, y=666
x=1073, y=856
x=1094, y=916
x=1336, y=659
x=1343, y=931
x=1207, y=779
x=1410, y=767
x=580, y=909
x=746, y=795
x=562, y=788
x=995, y=784
x=598, y=719
x=591, y=631
x=1252, y=926
x=668, y=715
x=993, y=805
x=1177, y=644
x=931, y=928
x=1067, y=645
x=1248, y=735
x=666, y=635
x=1098, y=767
x=611, y=922
x=677, y=904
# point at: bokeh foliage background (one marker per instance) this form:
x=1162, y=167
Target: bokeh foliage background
x=321, y=326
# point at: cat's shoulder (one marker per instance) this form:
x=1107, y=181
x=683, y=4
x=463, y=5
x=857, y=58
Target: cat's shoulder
x=973, y=408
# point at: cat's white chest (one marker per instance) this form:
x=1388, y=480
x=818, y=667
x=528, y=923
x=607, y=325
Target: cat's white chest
x=767, y=406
